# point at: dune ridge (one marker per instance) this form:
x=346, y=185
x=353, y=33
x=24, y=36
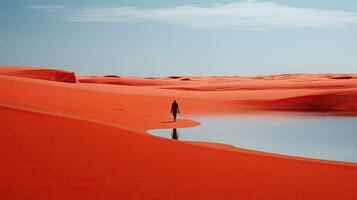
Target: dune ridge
x=38, y=73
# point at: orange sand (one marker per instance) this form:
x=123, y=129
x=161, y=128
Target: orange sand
x=68, y=137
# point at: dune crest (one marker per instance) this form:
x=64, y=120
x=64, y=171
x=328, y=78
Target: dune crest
x=38, y=73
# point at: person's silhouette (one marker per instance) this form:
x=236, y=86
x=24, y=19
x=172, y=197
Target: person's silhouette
x=175, y=134
x=175, y=109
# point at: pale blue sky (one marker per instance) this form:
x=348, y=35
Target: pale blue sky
x=159, y=38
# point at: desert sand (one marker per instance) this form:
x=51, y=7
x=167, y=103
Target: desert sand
x=65, y=136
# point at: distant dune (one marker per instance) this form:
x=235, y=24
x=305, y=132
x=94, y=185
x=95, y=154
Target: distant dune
x=44, y=74
x=64, y=136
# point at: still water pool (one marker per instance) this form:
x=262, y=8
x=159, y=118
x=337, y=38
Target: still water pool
x=306, y=135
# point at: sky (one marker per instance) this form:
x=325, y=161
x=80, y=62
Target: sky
x=180, y=37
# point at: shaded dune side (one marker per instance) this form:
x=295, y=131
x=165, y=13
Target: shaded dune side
x=85, y=160
x=336, y=102
x=43, y=74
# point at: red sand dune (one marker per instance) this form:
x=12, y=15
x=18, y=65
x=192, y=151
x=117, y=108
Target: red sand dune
x=45, y=74
x=88, y=141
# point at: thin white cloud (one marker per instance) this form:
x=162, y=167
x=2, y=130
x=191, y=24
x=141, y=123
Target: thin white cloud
x=47, y=8
x=250, y=14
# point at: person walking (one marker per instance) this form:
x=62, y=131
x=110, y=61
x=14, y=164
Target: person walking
x=175, y=109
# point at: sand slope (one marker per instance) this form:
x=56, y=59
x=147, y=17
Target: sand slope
x=38, y=73
x=61, y=140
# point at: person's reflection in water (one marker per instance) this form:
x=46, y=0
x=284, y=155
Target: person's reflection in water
x=175, y=134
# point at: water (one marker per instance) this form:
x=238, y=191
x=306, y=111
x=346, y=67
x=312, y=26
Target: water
x=314, y=136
